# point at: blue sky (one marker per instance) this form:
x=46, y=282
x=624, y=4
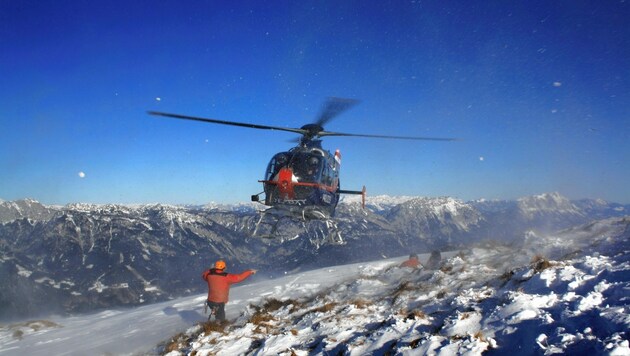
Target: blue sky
x=539, y=91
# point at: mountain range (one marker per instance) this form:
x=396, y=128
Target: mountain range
x=82, y=257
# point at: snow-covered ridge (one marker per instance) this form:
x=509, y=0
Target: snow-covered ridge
x=88, y=207
x=57, y=243
x=237, y=207
x=378, y=202
x=445, y=216
x=487, y=298
x=25, y=208
x=547, y=202
x=483, y=299
x=530, y=205
x=438, y=206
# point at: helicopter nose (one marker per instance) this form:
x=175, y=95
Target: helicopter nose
x=285, y=183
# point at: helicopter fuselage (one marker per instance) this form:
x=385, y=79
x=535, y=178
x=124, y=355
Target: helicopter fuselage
x=304, y=182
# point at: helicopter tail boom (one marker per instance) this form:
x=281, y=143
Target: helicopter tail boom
x=362, y=192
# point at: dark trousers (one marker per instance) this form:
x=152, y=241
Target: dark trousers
x=218, y=309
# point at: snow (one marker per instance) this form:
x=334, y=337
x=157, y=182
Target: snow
x=547, y=202
x=377, y=202
x=488, y=298
x=23, y=271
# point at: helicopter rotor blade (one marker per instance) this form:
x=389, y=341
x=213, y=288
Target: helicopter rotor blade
x=329, y=133
x=333, y=107
x=223, y=122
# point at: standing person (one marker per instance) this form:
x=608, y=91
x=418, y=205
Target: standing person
x=219, y=283
x=435, y=260
x=412, y=262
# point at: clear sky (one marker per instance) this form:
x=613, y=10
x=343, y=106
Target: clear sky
x=539, y=91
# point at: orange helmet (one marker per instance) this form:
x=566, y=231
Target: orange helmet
x=220, y=264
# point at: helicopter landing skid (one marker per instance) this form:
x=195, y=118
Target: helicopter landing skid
x=277, y=224
x=324, y=232
x=269, y=224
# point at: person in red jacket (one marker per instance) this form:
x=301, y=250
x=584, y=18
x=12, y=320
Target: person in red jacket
x=412, y=262
x=219, y=287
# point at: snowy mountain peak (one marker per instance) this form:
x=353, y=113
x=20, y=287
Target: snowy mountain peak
x=377, y=202
x=24, y=208
x=244, y=207
x=547, y=202
x=553, y=198
x=438, y=206
x=24, y=203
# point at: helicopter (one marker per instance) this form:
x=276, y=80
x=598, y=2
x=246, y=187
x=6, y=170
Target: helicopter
x=303, y=182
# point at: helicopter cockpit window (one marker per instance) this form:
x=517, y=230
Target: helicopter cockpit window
x=327, y=176
x=308, y=167
x=277, y=162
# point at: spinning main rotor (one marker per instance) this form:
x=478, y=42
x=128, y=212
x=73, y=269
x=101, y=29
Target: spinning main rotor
x=332, y=108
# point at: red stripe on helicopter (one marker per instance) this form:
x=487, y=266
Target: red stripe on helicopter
x=301, y=184
x=285, y=183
